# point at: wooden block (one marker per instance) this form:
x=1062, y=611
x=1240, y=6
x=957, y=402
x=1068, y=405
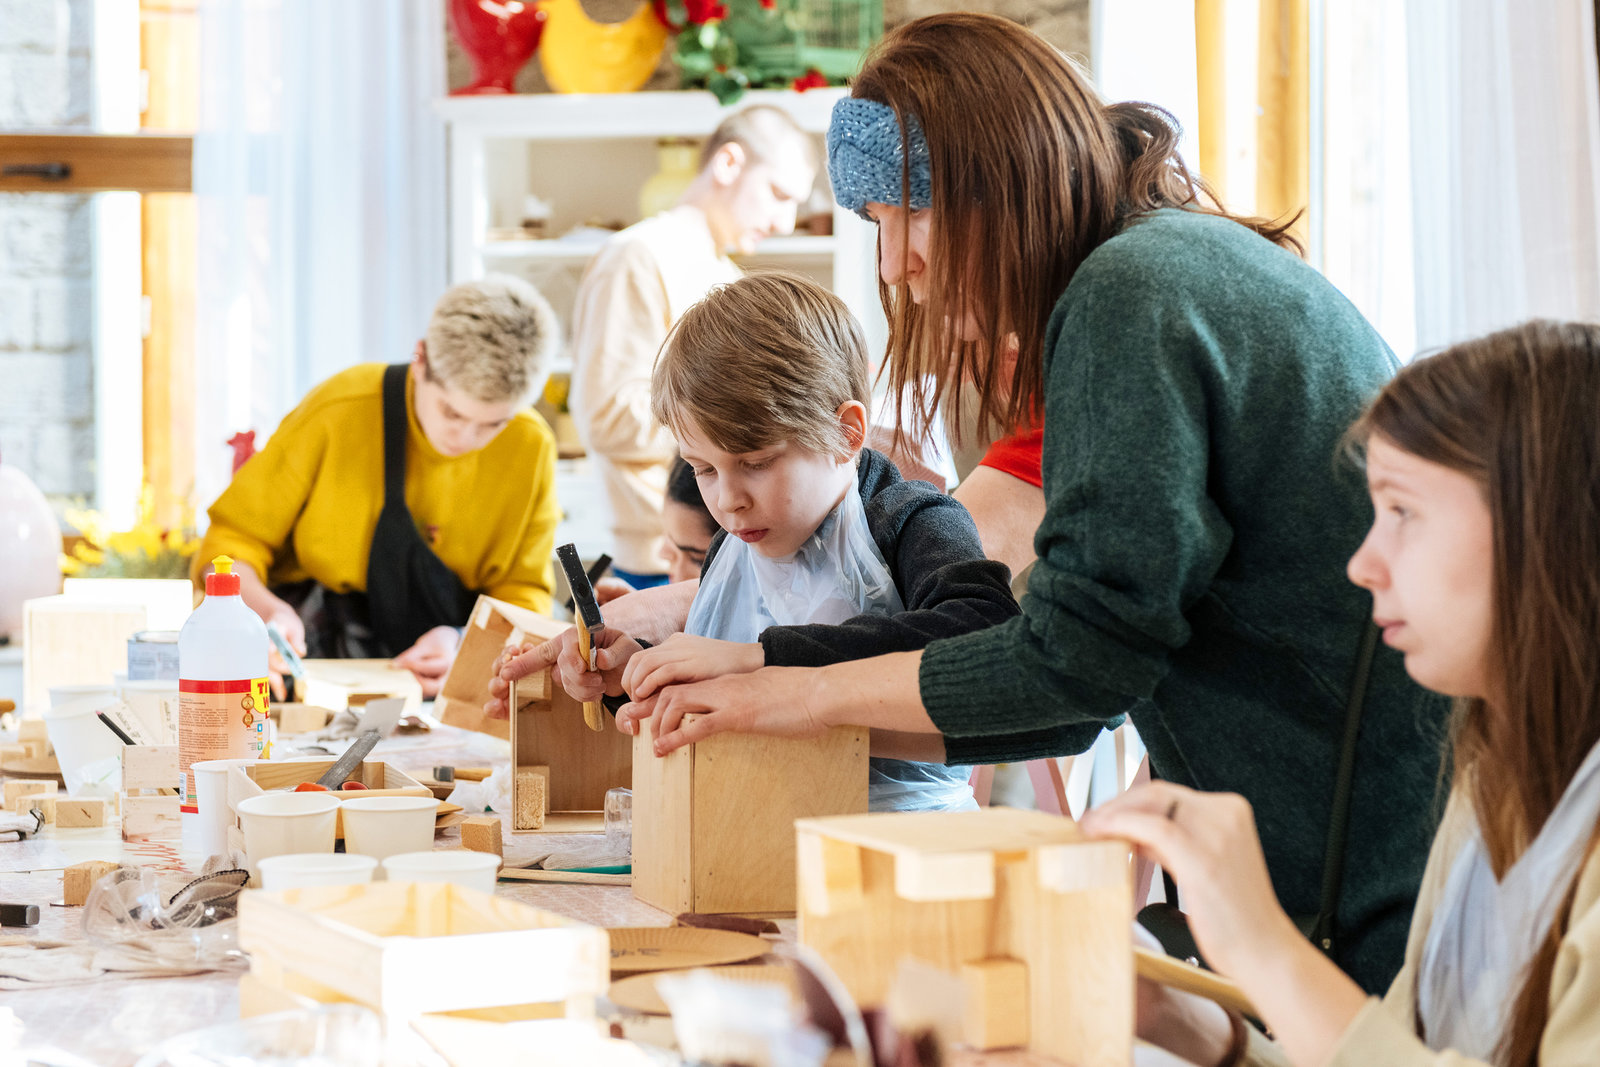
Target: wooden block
x=36, y=749
x=528, y=799
x=150, y=767
x=74, y=812
x=473, y=774
x=9, y=753
x=151, y=818
x=301, y=718
x=24, y=787
x=996, y=1013
x=482, y=833
x=32, y=730
x=45, y=802
x=77, y=880
x=543, y=772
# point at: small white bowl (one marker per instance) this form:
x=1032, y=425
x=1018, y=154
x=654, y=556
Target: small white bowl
x=463, y=867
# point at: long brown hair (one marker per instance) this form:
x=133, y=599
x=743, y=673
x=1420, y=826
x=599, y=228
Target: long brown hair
x=1519, y=412
x=1030, y=173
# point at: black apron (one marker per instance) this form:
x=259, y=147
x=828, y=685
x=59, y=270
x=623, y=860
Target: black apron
x=409, y=589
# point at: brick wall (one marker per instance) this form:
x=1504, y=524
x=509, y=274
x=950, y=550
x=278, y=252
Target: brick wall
x=46, y=313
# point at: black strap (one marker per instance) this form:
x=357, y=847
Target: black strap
x=1322, y=930
x=396, y=424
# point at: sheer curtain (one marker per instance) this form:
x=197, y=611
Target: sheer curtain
x=319, y=179
x=1505, y=163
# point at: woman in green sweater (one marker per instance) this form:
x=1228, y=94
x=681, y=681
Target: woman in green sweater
x=1195, y=377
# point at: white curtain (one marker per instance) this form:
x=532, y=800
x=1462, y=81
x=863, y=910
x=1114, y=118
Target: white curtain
x=319, y=178
x=1505, y=163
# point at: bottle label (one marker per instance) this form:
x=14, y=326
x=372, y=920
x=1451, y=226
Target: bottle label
x=219, y=720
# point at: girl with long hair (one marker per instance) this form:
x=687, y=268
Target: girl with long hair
x=1483, y=463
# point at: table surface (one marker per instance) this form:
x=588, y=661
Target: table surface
x=112, y=1022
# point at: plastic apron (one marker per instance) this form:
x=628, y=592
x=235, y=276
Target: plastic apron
x=837, y=574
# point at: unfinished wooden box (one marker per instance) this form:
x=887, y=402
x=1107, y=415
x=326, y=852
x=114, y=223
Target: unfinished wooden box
x=713, y=822
x=1034, y=918
x=546, y=727
x=381, y=780
x=403, y=949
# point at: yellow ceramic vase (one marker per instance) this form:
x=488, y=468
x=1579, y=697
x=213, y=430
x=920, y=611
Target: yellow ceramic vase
x=580, y=55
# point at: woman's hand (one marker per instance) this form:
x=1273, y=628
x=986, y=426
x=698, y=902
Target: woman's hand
x=685, y=658
x=1187, y=1025
x=293, y=629
x=430, y=658
x=608, y=589
x=769, y=701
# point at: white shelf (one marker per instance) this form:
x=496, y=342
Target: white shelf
x=578, y=252
x=578, y=116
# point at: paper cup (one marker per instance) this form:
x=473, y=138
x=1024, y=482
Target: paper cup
x=381, y=827
x=207, y=832
x=296, y=870
x=277, y=824
x=463, y=867
x=80, y=739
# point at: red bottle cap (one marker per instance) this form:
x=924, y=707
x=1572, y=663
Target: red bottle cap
x=222, y=581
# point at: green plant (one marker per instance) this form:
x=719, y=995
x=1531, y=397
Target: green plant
x=728, y=46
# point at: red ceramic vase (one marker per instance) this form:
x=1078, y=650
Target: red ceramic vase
x=499, y=35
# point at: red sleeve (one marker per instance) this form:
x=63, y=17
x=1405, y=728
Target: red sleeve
x=1018, y=456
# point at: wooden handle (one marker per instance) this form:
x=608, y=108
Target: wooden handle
x=591, y=708
x=1165, y=970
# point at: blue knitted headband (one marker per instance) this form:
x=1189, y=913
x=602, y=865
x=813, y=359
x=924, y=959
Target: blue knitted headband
x=864, y=157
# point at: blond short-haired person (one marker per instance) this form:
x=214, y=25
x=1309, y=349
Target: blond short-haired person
x=393, y=495
x=754, y=171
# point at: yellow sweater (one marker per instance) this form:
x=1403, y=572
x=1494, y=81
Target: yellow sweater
x=307, y=504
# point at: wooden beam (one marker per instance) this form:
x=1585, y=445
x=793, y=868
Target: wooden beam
x=94, y=163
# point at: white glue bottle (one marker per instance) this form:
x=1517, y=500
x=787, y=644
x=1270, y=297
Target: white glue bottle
x=222, y=683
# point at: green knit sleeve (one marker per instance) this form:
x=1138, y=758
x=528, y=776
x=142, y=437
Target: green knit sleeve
x=1130, y=539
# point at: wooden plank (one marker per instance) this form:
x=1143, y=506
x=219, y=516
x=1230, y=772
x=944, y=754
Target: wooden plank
x=494, y=624
x=142, y=162
x=74, y=642
x=341, y=683
x=526, y=874
x=1164, y=970
x=748, y=792
x=150, y=767
x=662, y=806
x=583, y=763
x=925, y=832
x=154, y=818
x=996, y=1013
x=829, y=873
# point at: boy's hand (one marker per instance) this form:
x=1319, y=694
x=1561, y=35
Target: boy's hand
x=612, y=651
x=685, y=658
x=429, y=659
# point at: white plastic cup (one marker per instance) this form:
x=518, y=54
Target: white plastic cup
x=277, y=824
x=463, y=867
x=79, y=737
x=381, y=827
x=296, y=870
x=207, y=832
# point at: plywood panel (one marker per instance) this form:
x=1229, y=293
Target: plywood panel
x=662, y=803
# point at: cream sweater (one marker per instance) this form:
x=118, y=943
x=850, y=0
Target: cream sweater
x=1385, y=1032
x=634, y=289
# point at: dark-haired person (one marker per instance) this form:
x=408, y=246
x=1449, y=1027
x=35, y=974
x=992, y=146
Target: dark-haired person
x=1195, y=376
x=755, y=170
x=687, y=527
x=394, y=494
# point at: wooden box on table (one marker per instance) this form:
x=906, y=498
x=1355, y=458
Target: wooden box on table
x=405, y=948
x=713, y=822
x=381, y=780
x=546, y=727
x=1035, y=918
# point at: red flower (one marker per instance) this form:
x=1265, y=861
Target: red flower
x=700, y=12
x=768, y=5
x=811, y=79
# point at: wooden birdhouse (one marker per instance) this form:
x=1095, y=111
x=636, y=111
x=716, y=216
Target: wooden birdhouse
x=713, y=822
x=1035, y=919
x=553, y=748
